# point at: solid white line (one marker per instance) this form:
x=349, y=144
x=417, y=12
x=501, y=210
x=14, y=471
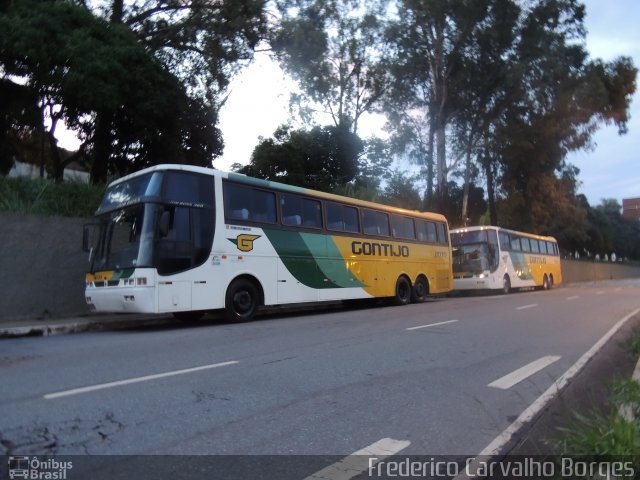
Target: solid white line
x=91, y=388
x=519, y=375
x=527, y=306
x=432, y=325
x=501, y=440
x=573, y=297
x=359, y=461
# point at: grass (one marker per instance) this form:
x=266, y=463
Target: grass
x=42, y=196
x=609, y=437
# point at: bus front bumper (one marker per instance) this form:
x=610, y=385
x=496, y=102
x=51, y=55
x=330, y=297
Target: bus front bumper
x=120, y=300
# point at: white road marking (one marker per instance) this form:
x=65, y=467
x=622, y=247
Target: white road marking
x=574, y=297
x=432, y=325
x=527, y=306
x=119, y=383
x=618, y=289
x=599, y=292
x=359, y=461
x=519, y=375
x=501, y=440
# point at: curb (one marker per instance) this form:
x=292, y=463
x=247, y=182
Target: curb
x=83, y=325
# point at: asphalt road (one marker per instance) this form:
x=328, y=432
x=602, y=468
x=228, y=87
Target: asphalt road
x=328, y=383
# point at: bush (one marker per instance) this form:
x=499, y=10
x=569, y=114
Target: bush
x=42, y=196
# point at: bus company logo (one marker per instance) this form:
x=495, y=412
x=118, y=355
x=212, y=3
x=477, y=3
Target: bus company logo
x=36, y=469
x=533, y=259
x=244, y=242
x=379, y=249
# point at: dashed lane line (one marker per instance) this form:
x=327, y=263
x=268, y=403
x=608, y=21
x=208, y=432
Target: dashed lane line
x=432, y=325
x=517, y=376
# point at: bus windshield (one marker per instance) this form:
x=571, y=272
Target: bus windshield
x=122, y=233
x=164, y=221
x=474, y=252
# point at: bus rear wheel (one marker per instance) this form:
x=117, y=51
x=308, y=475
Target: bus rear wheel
x=506, y=284
x=403, y=291
x=241, y=301
x=545, y=282
x=420, y=290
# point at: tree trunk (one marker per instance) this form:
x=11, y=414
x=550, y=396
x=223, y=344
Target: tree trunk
x=467, y=179
x=493, y=213
x=102, y=148
x=441, y=164
x=429, y=196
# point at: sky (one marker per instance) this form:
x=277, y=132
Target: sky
x=259, y=97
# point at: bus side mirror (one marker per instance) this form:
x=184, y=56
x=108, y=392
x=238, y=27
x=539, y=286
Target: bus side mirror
x=163, y=225
x=88, y=231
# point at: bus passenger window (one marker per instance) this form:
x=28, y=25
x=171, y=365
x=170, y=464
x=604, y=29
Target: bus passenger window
x=504, y=241
x=534, y=246
x=375, y=223
x=442, y=234
x=342, y=218
x=299, y=211
x=524, y=244
x=515, y=243
x=402, y=227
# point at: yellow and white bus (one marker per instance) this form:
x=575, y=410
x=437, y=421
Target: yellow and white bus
x=497, y=258
x=183, y=239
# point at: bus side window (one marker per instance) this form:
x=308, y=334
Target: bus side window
x=432, y=237
x=524, y=243
x=515, y=243
x=421, y=230
x=442, y=234
x=534, y=246
x=375, y=223
x=504, y=241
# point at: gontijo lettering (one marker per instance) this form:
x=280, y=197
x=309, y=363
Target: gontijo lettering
x=379, y=249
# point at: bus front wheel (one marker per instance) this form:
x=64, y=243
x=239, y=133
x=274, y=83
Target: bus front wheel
x=403, y=291
x=241, y=301
x=506, y=284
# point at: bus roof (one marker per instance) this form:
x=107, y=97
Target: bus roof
x=492, y=227
x=238, y=177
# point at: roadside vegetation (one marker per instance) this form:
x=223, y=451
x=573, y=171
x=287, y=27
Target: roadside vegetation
x=42, y=196
x=612, y=435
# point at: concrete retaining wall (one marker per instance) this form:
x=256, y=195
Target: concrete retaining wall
x=574, y=271
x=43, y=267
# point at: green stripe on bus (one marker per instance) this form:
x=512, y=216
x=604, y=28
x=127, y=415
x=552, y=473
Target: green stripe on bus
x=298, y=258
x=330, y=261
x=521, y=266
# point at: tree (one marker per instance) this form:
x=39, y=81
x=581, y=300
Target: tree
x=558, y=99
x=333, y=54
x=322, y=158
x=134, y=108
x=400, y=191
x=429, y=41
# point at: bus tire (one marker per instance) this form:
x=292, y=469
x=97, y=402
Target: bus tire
x=506, y=284
x=550, y=281
x=241, y=300
x=545, y=282
x=403, y=291
x=420, y=290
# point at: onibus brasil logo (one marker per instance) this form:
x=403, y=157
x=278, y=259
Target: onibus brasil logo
x=34, y=468
x=244, y=242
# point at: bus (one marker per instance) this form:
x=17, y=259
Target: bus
x=492, y=258
x=187, y=240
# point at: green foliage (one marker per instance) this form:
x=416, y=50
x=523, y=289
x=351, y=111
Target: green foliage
x=598, y=437
x=41, y=196
x=332, y=49
x=321, y=158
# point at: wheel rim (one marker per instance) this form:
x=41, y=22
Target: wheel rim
x=506, y=284
x=403, y=290
x=242, y=301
